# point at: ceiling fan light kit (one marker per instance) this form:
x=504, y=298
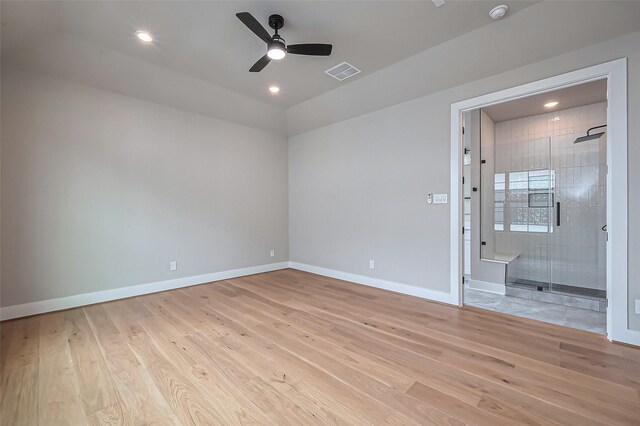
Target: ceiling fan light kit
x=276, y=47
x=276, y=50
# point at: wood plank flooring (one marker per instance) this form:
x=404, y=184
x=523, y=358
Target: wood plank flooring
x=292, y=348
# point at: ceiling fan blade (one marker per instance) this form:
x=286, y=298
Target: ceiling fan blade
x=262, y=62
x=315, y=49
x=253, y=24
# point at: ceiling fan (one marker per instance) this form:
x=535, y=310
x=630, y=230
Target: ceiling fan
x=276, y=49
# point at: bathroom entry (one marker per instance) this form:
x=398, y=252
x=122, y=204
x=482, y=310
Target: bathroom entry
x=537, y=204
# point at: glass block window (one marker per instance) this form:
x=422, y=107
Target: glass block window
x=499, y=199
x=523, y=200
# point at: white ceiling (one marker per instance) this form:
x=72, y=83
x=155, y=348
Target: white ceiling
x=569, y=97
x=204, y=40
x=545, y=39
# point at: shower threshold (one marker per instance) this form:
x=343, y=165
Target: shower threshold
x=578, y=297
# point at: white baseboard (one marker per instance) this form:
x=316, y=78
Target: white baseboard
x=26, y=309
x=631, y=337
x=412, y=290
x=487, y=286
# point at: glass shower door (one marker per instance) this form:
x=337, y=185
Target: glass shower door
x=524, y=206
x=578, y=244
x=544, y=206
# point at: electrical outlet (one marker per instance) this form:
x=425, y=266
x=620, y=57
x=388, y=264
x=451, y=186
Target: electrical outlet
x=173, y=265
x=272, y=253
x=372, y=264
x=638, y=306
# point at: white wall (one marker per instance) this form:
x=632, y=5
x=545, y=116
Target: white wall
x=357, y=187
x=101, y=191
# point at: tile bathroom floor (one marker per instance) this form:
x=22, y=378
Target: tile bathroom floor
x=583, y=319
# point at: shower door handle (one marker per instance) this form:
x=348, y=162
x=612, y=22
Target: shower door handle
x=558, y=213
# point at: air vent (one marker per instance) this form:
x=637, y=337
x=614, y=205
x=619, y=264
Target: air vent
x=342, y=71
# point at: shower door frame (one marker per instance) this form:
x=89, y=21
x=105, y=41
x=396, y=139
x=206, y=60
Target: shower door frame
x=615, y=72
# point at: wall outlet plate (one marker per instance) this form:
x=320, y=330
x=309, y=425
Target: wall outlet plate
x=638, y=306
x=272, y=253
x=173, y=265
x=372, y=264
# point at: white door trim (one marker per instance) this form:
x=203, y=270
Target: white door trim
x=617, y=269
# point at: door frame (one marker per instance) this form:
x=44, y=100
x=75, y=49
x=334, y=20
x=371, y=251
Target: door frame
x=615, y=72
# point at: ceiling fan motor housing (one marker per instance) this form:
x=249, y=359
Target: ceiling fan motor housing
x=276, y=22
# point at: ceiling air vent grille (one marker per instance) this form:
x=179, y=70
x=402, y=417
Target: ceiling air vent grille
x=342, y=71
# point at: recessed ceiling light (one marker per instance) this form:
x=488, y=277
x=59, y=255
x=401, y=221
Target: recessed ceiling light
x=274, y=89
x=551, y=104
x=144, y=36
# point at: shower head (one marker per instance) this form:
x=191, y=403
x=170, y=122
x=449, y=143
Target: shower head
x=590, y=136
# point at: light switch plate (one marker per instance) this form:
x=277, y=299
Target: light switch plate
x=439, y=198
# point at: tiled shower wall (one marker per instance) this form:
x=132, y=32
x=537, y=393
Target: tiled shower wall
x=574, y=253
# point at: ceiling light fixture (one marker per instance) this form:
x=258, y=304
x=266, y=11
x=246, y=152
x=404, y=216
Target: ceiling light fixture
x=551, y=104
x=498, y=11
x=274, y=89
x=144, y=36
x=276, y=50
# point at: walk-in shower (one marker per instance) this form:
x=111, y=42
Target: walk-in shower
x=546, y=204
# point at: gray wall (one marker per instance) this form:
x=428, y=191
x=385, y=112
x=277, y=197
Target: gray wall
x=357, y=187
x=101, y=191
x=358, y=192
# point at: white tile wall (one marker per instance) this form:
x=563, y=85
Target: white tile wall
x=574, y=253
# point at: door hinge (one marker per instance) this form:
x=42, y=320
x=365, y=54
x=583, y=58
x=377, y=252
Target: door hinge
x=463, y=281
x=463, y=230
x=463, y=180
x=463, y=130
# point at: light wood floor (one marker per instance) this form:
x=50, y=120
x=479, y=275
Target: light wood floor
x=292, y=348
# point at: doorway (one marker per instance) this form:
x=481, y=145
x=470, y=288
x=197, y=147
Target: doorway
x=538, y=212
x=615, y=233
